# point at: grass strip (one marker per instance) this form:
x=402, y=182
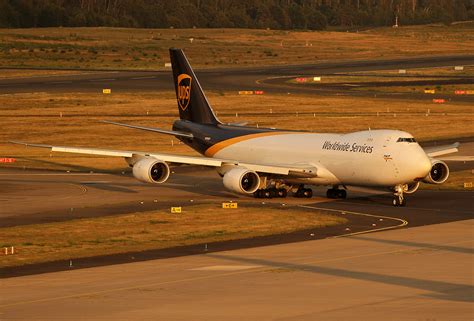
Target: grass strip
x=151, y=230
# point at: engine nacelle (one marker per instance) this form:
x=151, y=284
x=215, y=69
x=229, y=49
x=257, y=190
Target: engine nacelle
x=439, y=172
x=151, y=170
x=241, y=180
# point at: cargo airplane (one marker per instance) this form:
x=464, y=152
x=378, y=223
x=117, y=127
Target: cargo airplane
x=267, y=163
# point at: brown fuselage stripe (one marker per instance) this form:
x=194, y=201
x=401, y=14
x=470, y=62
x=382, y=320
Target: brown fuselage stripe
x=211, y=151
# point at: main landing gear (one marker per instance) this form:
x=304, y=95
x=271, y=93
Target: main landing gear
x=303, y=192
x=270, y=193
x=398, y=199
x=335, y=192
x=274, y=192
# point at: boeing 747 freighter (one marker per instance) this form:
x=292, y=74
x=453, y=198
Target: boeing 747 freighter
x=272, y=163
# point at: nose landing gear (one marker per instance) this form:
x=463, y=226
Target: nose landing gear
x=398, y=198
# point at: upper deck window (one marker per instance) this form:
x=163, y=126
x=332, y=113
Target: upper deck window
x=408, y=140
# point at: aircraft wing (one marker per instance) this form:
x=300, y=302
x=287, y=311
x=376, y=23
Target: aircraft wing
x=434, y=151
x=150, y=129
x=295, y=170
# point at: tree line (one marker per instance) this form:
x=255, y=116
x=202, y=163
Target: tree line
x=274, y=14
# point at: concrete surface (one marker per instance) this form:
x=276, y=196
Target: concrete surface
x=423, y=273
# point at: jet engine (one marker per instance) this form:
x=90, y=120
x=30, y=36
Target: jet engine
x=241, y=180
x=151, y=170
x=438, y=174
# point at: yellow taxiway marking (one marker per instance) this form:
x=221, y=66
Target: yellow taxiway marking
x=402, y=221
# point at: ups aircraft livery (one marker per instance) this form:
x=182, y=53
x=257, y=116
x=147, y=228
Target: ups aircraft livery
x=268, y=163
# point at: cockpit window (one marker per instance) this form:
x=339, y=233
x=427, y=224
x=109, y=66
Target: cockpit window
x=408, y=140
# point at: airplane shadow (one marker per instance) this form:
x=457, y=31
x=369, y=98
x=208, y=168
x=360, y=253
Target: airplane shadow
x=441, y=290
x=449, y=248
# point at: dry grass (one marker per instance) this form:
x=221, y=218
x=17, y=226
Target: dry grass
x=432, y=71
x=394, y=75
x=439, y=89
x=36, y=118
x=418, y=74
x=117, y=48
x=151, y=230
x=19, y=73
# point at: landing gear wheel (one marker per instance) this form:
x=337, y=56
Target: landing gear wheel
x=399, y=201
x=270, y=193
x=267, y=193
x=341, y=193
x=395, y=201
x=307, y=193
x=304, y=192
x=330, y=193
x=282, y=193
x=336, y=193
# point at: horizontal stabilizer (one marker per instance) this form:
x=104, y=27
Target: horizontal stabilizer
x=150, y=129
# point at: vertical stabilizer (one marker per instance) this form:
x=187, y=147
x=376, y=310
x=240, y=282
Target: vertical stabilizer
x=192, y=103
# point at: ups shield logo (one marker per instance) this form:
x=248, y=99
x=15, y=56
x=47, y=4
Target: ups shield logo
x=184, y=90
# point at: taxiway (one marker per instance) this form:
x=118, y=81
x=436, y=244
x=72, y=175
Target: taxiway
x=422, y=273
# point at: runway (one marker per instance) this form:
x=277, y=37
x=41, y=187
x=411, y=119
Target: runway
x=250, y=78
x=422, y=273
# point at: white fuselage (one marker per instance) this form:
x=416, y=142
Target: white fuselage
x=365, y=158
